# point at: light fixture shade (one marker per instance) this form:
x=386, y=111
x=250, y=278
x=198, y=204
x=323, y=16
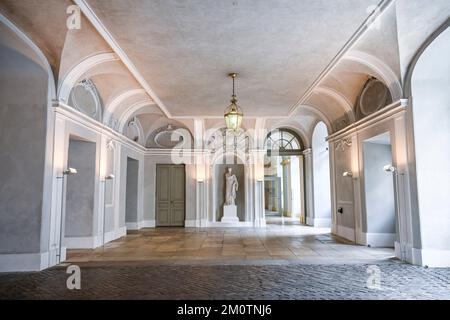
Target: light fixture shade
x=233, y=117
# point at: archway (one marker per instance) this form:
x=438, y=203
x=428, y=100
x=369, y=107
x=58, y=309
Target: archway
x=283, y=178
x=431, y=120
x=321, y=217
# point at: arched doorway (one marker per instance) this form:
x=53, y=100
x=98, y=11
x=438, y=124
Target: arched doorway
x=321, y=217
x=283, y=177
x=430, y=83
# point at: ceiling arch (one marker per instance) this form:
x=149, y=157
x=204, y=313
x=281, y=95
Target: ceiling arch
x=148, y=105
x=117, y=101
x=73, y=76
x=378, y=69
x=340, y=99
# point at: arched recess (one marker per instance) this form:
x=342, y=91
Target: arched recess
x=430, y=83
x=26, y=144
x=79, y=70
x=321, y=178
x=376, y=68
x=284, y=178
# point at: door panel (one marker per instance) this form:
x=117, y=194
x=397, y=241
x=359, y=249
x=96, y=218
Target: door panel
x=170, y=195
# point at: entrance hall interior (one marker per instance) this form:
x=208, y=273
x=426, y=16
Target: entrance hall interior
x=296, y=133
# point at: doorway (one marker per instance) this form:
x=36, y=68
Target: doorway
x=380, y=203
x=170, y=195
x=283, y=178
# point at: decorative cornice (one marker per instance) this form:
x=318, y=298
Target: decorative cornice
x=382, y=114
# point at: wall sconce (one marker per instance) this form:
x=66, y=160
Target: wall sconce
x=347, y=174
x=70, y=172
x=389, y=168
x=200, y=173
x=109, y=177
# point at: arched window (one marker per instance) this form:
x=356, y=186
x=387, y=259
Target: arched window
x=284, y=142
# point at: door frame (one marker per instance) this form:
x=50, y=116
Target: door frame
x=156, y=194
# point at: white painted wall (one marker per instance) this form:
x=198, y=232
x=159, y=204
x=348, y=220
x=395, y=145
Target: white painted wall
x=379, y=195
x=431, y=115
x=321, y=177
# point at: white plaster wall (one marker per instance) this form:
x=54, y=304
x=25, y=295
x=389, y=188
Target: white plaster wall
x=321, y=176
x=80, y=190
x=23, y=114
x=132, y=191
x=431, y=112
x=125, y=153
x=379, y=189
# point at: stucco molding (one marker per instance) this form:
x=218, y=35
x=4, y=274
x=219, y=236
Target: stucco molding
x=341, y=144
x=385, y=113
x=341, y=100
x=380, y=69
x=103, y=31
x=111, y=107
x=128, y=113
x=74, y=75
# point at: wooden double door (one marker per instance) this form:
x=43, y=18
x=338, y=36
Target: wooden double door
x=170, y=195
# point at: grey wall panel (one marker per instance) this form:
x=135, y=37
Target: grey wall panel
x=80, y=189
x=23, y=113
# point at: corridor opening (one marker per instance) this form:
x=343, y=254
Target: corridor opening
x=284, y=178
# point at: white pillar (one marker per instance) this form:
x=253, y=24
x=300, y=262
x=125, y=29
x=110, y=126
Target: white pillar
x=309, y=187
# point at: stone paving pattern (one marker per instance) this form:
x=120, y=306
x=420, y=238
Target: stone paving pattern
x=292, y=242
x=288, y=281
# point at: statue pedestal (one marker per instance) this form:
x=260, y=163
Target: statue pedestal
x=230, y=214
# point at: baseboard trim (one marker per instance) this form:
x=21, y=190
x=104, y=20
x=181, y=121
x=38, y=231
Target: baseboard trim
x=141, y=224
x=431, y=257
x=191, y=224
x=83, y=242
x=148, y=224
x=318, y=222
x=115, y=234
x=379, y=240
x=24, y=262
x=345, y=232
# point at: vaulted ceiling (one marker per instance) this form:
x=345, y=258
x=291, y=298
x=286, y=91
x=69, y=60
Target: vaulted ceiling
x=184, y=49
x=160, y=62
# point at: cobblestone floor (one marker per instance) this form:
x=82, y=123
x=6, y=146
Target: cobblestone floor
x=284, y=281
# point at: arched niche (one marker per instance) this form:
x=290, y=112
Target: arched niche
x=218, y=163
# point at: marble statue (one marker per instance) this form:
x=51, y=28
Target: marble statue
x=231, y=188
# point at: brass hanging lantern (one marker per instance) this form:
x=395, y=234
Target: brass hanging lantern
x=233, y=113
